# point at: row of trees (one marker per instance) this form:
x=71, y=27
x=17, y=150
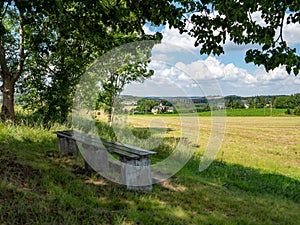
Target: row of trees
x=45, y=46
x=231, y=102
x=280, y=102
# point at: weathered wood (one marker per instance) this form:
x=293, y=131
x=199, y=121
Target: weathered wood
x=135, y=162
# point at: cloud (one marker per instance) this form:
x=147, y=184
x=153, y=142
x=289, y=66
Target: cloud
x=172, y=37
x=277, y=74
x=291, y=33
x=297, y=82
x=177, y=63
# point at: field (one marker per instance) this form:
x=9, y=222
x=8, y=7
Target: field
x=251, y=112
x=255, y=178
x=270, y=144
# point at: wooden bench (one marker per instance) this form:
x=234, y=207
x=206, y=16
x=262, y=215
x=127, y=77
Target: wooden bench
x=134, y=164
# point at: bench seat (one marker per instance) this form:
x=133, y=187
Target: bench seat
x=134, y=164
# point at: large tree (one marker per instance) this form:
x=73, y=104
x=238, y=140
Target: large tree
x=51, y=42
x=12, y=53
x=25, y=27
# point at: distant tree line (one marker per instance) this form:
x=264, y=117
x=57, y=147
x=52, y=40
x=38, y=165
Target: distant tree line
x=201, y=104
x=289, y=102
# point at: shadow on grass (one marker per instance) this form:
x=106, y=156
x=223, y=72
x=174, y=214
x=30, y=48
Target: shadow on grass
x=63, y=193
x=250, y=180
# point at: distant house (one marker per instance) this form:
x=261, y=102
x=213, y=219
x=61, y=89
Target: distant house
x=158, y=108
x=170, y=109
x=221, y=105
x=129, y=107
x=246, y=105
x=155, y=110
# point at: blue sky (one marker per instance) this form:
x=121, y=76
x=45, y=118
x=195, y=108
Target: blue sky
x=181, y=70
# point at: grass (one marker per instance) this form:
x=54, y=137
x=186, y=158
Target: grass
x=251, y=112
x=232, y=112
x=255, y=179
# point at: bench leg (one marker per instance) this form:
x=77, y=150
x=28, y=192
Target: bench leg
x=67, y=146
x=137, y=174
x=63, y=145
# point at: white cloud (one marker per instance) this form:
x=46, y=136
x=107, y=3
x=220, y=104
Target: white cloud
x=297, y=80
x=177, y=67
x=183, y=76
x=291, y=33
x=274, y=75
x=172, y=37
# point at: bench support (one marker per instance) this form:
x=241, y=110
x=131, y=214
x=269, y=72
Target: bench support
x=136, y=174
x=67, y=146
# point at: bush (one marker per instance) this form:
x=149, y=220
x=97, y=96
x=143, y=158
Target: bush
x=297, y=111
x=288, y=111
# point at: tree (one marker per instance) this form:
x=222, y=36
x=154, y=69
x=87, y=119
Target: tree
x=238, y=104
x=12, y=53
x=229, y=102
x=103, y=25
x=215, y=22
x=121, y=67
x=61, y=38
x=283, y=102
x=145, y=105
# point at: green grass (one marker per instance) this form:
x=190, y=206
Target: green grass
x=38, y=186
x=230, y=112
x=250, y=112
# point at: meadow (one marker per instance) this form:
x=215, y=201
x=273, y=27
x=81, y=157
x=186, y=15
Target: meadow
x=255, y=178
x=251, y=112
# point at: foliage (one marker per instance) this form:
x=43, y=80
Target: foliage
x=57, y=65
x=145, y=105
x=50, y=43
x=120, y=67
x=291, y=101
x=297, y=111
x=215, y=22
x=55, y=41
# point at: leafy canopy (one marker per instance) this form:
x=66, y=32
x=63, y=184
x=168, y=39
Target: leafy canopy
x=214, y=22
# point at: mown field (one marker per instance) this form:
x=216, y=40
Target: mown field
x=255, y=178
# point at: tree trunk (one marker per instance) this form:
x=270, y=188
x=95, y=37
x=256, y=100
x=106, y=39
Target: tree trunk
x=8, y=89
x=111, y=115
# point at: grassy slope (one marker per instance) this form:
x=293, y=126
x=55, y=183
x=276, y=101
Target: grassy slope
x=39, y=187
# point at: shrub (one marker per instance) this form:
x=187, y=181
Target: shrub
x=297, y=111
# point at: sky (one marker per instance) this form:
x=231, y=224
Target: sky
x=180, y=70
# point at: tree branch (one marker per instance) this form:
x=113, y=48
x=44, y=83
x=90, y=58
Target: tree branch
x=282, y=23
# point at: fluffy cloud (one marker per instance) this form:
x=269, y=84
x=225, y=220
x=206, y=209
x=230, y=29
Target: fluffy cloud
x=277, y=74
x=177, y=66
